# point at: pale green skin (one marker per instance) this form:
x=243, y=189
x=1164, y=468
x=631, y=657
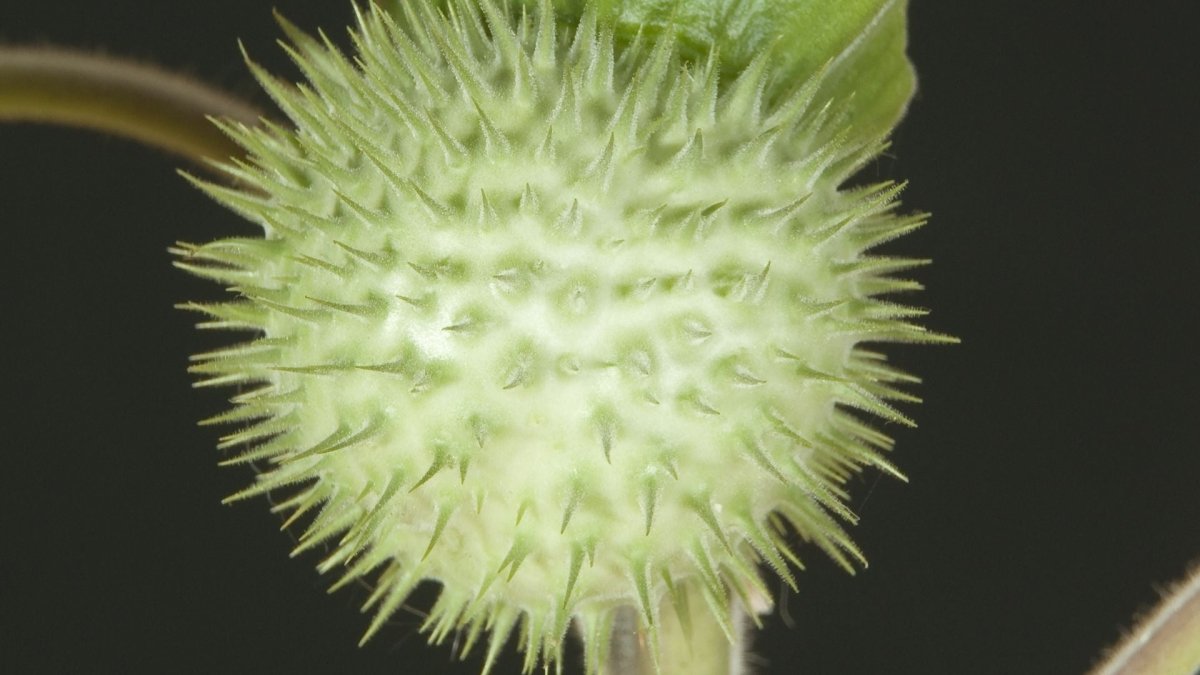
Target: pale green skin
x=563, y=333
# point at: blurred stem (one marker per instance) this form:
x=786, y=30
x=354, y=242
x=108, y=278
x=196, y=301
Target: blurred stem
x=144, y=103
x=1167, y=641
x=699, y=648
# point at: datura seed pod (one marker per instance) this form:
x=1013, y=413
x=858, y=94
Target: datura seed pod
x=562, y=322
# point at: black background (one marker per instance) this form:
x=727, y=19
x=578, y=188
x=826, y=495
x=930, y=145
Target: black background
x=1053, y=480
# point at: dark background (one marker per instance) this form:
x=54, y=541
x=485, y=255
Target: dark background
x=1053, y=480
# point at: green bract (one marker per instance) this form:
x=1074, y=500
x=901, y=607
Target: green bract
x=561, y=326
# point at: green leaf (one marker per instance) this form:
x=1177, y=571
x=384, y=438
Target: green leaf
x=863, y=43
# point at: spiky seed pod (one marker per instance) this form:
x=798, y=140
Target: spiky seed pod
x=560, y=326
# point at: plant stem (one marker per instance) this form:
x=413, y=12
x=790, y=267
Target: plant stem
x=145, y=103
x=1167, y=641
x=699, y=648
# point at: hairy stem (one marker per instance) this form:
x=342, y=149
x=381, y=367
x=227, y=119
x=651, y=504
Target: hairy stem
x=144, y=103
x=1167, y=641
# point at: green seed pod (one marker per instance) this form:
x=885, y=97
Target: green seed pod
x=563, y=326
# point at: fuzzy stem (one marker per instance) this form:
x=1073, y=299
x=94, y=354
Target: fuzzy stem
x=700, y=648
x=147, y=104
x=1167, y=642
